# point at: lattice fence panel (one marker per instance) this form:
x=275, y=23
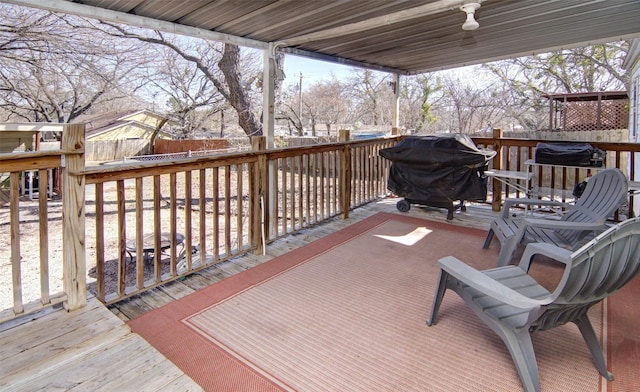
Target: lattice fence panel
x=584, y=116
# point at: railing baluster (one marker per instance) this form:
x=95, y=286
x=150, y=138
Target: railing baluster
x=14, y=196
x=203, y=216
x=139, y=234
x=227, y=210
x=122, y=238
x=283, y=196
x=291, y=190
x=308, y=171
x=300, y=194
x=239, y=203
x=157, y=227
x=215, y=179
x=173, y=226
x=187, y=220
x=43, y=185
x=99, y=205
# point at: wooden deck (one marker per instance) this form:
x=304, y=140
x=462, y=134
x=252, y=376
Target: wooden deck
x=92, y=349
x=89, y=349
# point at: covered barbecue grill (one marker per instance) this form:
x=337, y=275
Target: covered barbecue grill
x=436, y=171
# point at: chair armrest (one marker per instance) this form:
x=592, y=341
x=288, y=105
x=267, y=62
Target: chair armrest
x=562, y=225
x=538, y=248
x=481, y=282
x=511, y=201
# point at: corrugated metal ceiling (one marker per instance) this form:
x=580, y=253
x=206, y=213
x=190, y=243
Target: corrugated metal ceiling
x=405, y=36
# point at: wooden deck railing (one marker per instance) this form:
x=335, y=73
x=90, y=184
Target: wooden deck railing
x=38, y=280
x=209, y=209
x=149, y=223
x=513, y=153
x=316, y=183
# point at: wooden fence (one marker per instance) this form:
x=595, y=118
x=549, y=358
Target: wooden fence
x=114, y=150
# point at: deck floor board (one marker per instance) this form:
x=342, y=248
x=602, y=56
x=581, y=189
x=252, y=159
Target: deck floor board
x=83, y=350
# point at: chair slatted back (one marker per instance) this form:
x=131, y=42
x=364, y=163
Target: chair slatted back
x=599, y=268
x=603, y=195
x=604, y=264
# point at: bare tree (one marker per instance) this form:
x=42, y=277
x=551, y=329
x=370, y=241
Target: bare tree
x=326, y=103
x=51, y=72
x=191, y=99
x=289, y=109
x=419, y=94
x=233, y=86
x=586, y=69
x=370, y=93
x=239, y=99
x=464, y=107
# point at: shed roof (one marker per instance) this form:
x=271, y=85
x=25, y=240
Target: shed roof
x=403, y=36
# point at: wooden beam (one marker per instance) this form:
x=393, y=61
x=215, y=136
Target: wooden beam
x=102, y=13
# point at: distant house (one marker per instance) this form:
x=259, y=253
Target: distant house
x=140, y=125
x=20, y=137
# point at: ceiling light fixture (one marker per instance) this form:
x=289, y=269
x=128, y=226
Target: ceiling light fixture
x=470, y=9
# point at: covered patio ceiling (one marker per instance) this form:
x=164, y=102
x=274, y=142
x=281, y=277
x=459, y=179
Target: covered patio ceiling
x=399, y=36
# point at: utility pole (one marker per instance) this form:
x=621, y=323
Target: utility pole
x=300, y=102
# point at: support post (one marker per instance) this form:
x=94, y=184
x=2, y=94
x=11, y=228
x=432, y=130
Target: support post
x=345, y=173
x=396, y=103
x=268, y=96
x=497, y=165
x=259, y=192
x=73, y=217
x=270, y=72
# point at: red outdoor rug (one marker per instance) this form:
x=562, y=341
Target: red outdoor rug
x=347, y=313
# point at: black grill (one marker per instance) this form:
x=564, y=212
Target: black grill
x=436, y=171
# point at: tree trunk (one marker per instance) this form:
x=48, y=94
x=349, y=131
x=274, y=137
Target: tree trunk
x=229, y=65
x=221, y=124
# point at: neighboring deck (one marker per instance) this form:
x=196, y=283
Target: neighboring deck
x=92, y=349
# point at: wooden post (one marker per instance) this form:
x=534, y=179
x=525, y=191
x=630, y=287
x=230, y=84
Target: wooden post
x=14, y=219
x=395, y=86
x=497, y=165
x=345, y=173
x=270, y=69
x=258, y=201
x=73, y=241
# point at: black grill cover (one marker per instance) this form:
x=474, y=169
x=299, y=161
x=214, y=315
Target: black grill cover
x=568, y=154
x=437, y=169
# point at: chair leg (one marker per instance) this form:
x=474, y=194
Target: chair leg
x=487, y=241
x=591, y=339
x=437, y=299
x=507, y=248
x=524, y=358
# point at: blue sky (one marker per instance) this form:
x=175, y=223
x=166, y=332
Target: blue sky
x=312, y=70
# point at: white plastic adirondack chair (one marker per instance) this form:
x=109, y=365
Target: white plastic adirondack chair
x=514, y=305
x=604, y=194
